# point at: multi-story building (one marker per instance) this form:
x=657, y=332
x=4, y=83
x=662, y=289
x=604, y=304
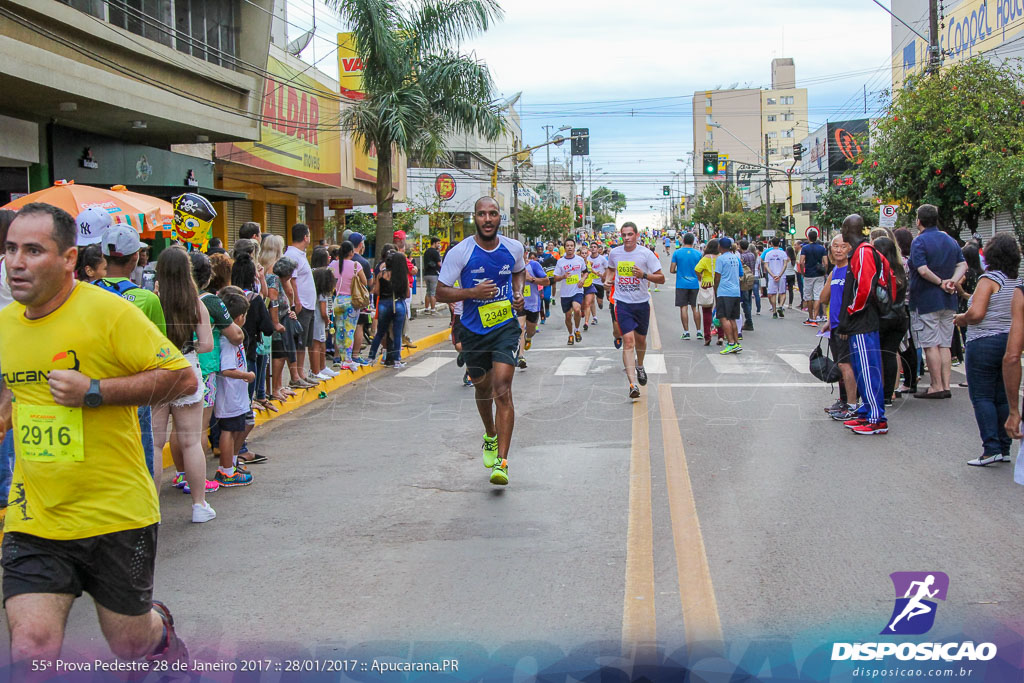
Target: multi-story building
x=99, y=91
x=740, y=123
x=992, y=29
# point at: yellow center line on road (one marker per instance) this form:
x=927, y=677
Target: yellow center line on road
x=701, y=620
x=638, y=621
x=653, y=336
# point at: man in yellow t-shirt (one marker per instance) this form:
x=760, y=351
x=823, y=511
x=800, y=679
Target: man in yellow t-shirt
x=82, y=511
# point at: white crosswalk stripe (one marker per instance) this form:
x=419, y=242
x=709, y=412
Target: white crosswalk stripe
x=574, y=365
x=428, y=367
x=654, y=364
x=797, y=361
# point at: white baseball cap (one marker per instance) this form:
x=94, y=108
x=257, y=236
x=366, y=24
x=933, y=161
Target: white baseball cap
x=91, y=224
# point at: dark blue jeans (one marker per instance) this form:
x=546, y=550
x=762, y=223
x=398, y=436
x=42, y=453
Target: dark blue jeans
x=6, y=465
x=391, y=314
x=985, y=386
x=745, y=303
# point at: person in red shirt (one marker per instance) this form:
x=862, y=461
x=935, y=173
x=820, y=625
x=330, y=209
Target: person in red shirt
x=860, y=322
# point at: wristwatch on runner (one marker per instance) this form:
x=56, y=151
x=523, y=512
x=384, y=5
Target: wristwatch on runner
x=93, y=397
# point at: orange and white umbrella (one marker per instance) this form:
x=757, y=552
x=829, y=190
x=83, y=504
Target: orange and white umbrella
x=149, y=215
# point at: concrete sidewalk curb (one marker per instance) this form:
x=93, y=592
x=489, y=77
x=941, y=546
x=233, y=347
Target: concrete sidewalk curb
x=304, y=397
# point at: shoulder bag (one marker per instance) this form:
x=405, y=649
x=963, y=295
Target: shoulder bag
x=360, y=294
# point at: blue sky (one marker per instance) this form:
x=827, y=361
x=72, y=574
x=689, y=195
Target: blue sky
x=627, y=70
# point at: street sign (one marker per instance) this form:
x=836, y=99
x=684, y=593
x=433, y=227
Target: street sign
x=887, y=215
x=807, y=232
x=339, y=204
x=768, y=233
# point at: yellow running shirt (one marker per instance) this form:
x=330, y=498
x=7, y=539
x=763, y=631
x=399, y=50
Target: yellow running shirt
x=66, y=487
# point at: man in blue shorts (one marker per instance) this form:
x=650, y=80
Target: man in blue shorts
x=492, y=272
x=630, y=268
x=533, y=291
x=571, y=269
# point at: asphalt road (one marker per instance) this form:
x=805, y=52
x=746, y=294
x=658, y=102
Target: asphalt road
x=723, y=504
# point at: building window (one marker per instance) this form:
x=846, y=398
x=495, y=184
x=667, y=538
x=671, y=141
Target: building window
x=207, y=29
x=709, y=137
x=709, y=119
x=462, y=160
x=773, y=150
x=788, y=117
x=773, y=134
x=787, y=100
x=771, y=100
x=707, y=102
x=771, y=117
x=787, y=133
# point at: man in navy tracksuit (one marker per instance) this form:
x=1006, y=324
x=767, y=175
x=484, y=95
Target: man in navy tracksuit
x=859, y=321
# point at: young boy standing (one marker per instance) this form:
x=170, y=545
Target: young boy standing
x=232, y=403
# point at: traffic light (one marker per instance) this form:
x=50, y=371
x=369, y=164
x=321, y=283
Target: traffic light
x=798, y=151
x=792, y=225
x=666, y=190
x=682, y=204
x=580, y=145
x=710, y=163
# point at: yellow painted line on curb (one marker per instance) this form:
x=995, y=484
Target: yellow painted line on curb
x=304, y=397
x=701, y=620
x=638, y=620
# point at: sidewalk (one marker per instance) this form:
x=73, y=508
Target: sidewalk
x=426, y=331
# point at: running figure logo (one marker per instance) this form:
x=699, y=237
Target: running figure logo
x=914, y=612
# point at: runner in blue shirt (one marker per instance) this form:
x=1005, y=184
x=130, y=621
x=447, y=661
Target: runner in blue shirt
x=684, y=261
x=492, y=272
x=533, y=292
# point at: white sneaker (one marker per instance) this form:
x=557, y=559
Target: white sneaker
x=1006, y=458
x=398, y=365
x=330, y=372
x=323, y=376
x=983, y=460
x=202, y=513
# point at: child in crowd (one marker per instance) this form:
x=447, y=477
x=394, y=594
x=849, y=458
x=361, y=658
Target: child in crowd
x=232, y=404
x=324, y=281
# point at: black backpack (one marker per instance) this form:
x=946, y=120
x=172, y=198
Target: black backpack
x=823, y=367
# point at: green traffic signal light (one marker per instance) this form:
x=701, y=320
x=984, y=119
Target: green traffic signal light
x=710, y=163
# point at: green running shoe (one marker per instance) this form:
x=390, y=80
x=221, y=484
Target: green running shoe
x=499, y=473
x=490, y=451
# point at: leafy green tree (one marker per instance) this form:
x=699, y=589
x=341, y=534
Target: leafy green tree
x=953, y=139
x=708, y=206
x=546, y=222
x=608, y=202
x=837, y=202
x=418, y=87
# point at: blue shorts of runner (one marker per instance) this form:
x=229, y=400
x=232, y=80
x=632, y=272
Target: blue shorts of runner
x=591, y=289
x=567, y=301
x=482, y=351
x=633, y=317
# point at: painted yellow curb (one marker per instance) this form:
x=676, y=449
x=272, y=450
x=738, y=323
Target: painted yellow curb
x=306, y=396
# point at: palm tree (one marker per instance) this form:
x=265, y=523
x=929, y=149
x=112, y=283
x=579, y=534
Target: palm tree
x=418, y=87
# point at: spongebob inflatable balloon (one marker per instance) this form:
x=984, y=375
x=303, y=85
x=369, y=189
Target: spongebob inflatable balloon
x=193, y=215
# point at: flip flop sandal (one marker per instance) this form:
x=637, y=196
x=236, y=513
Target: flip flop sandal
x=255, y=459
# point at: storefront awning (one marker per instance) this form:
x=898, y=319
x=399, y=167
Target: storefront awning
x=168, y=191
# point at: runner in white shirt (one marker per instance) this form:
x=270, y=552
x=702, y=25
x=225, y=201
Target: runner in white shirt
x=630, y=268
x=572, y=269
x=775, y=261
x=598, y=263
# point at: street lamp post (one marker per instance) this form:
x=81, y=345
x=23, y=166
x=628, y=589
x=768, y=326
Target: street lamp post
x=547, y=142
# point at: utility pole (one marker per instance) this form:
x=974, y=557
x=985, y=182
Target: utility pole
x=515, y=196
x=767, y=187
x=933, y=36
x=547, y=148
